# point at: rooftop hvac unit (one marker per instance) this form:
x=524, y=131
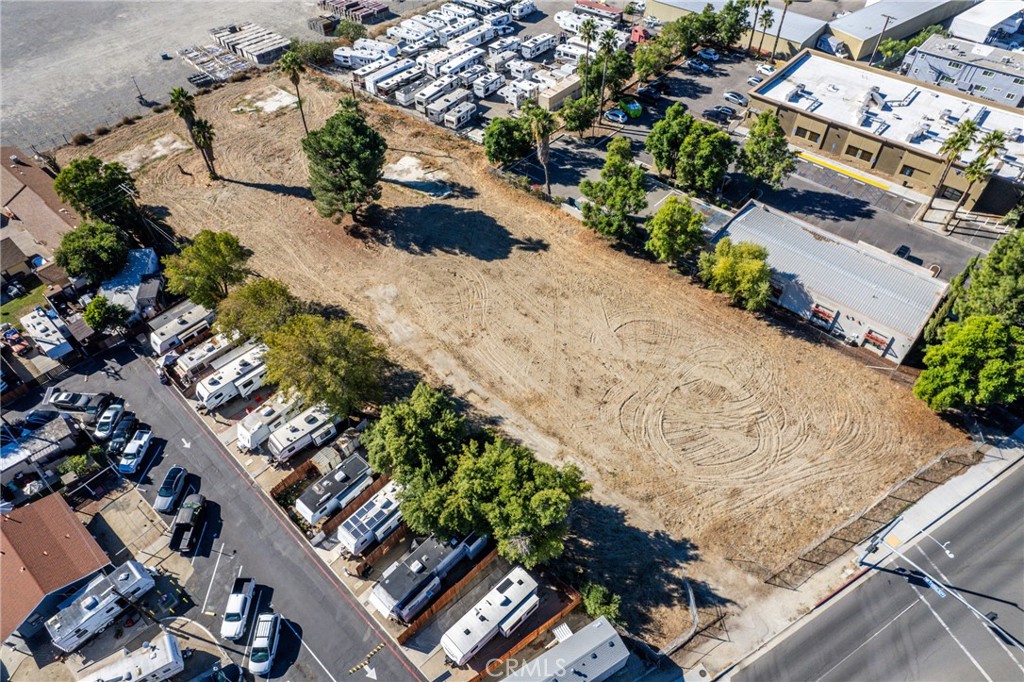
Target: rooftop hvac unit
x=946, y=115
x=918, y=133
x=794, y=94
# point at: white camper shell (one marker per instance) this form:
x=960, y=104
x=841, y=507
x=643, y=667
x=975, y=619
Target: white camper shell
x=155, y=661
x=238, y=378
x=488, y=84
x=256, y=427
x=460, y=116
x=523, y=9
x=313, y=426
x=373, y=522
x=437, y=109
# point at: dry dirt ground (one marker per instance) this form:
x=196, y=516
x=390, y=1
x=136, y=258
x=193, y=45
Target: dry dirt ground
x=708, y=434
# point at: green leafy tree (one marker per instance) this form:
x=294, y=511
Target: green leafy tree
x=77, y=465
x=422, y=433
x=588, y=34
x=579, y=114
x=318, y=52
x=346, y=162
x=104, y=316
x=739, y=270
x=291, y=65
x=667, y=136
x=326, y=361
x=1015, y=216
x=704, y=158
x=97, y=190
x=680, y=34
x=650, y=58
x=349, y=31
x=765, y=155
x=980, y=362
x=675, y=231
x=732, y=22
x=706, y=24
x=778, y=33
x=506, y=140
x=207, y=268
x=608, y=70
x=757, y=5
x=992, y=144
x=257, y=307
x=766, y=21
x=599, y=601
x=997, y=285
x=957, y=143
x=204, y=136
x=184, y=106
x=940, y=318
x=94, y=250
x=541, y=124
x=618, y=196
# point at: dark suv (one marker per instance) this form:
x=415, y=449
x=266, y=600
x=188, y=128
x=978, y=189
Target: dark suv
x=716, y=115
x=122, y=433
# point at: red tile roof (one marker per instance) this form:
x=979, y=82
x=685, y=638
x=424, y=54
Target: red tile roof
x=43, y=547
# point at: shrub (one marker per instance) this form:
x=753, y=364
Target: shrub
x=101, y=131
x=239, y=77
x=599, y=601
x=80, y=139
x=161, y=108
x=126, y=120
x=75, y=464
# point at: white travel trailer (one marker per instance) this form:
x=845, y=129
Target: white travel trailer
x=500, y=62
x=502, y=610
x=523, y=9
x=570, y=53
x=488, y=84
x=406, y=96
x=572, y=22
x=156, y=661
x=620, y=41
x=447, y=19
x=517, y=92
x=435, y=91
x=437, y=109
x=430, y=22
x=256, y=427
x=370, y=82
x=191, y=364
x=420, y=30
x=98, y=604
x=334, y=491
x=478, y=36
x=498, y=19
x=470, y=75
x=351, y=58
x=434, y=60
x=401, y=33
x=373, y=522
x=238, y=378
x=537, y=45
x=388, y=87
x=313, y=426
x=371, y=45
x=461, y=27
x=454, y=10
x=178, y=325
x=360, y=74
x=462, y=62
x=507, y=43
x=460, y=116
x=481, y=7
x=522, y=69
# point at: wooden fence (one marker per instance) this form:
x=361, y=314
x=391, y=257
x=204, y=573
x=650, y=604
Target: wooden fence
x=446, y=598
x=300, y=472
x=389, y=543
x=331, y=524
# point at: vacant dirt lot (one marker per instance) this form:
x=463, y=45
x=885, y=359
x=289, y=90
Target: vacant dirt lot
x=707, y=433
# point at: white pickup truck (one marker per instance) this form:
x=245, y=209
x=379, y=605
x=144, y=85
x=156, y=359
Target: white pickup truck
x=236, y=613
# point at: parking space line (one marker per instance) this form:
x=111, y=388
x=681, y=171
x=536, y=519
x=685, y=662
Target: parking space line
x=306, y=647
x=214, y=576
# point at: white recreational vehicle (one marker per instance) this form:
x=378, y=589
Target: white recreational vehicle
x=460, y=116
x=459, y=11
x=417, y=28
x=389, y=86
x=239, y=377
x=360, y=74
x=461, y=27
x=481, y=7
x=438, y=108
x=478, y=36
x=179, y=324
x=97, y=605
x=351, y=58
x=191, y=364
x=499, y=62
x=435, y=91
x=620, y=41
x=470, y=75
x=434, y=60
x=488, y=84
x=256, y=427
x=523, y=9
x=156, y=661
x=315, y=426
x=371, y=45
x=498, y=19
x=462, y=62
x=512, y=43
x=503, y=609
x=522, y=69
x=430, y=22
x=371, y=81
x=537, y=45
x=407, y=96
x=373, y=522
x=518, y=92
x=572, y=22
x=570, y=53
x=335, y=490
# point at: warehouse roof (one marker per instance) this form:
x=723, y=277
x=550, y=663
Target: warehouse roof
x=869, y=21
x=912, y=114
x=798, y=28
x=966, y=52
x=881, y=287
x=989, y=13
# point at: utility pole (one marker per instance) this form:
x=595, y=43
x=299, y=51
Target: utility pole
x=888, y=18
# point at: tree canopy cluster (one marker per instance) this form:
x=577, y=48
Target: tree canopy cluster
x=98, y=191
x=698, y=154
x=675, y=231
x=454, y=483
x=708, y=27
x=104, y=316
x=614, y=200
x=206, y=269
x=95, y=250
x=506, y=140
x=739, y=270
x=765, y=155
x=893, y=51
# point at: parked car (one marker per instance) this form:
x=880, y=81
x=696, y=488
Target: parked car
x=631, y=107
x=35, y=419
x=736, y=98
x=16, y=342
x=647, y=94
x=903, y=251
x=135, y=451
x=189, y=522
x=716, y=116
x=659, y=85
x=107, y=421
x=765, y=69
x=698, y=65
x=264, y=644
x=616, y=116
x=123, y=433
x=651, y=22
x=70, y=401
x=170, y=490
x=709, y=54
x=236, y=612
x=755, y=80
x=728, y=111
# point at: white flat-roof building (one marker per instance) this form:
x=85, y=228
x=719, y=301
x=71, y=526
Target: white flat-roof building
x=853, y=291
x=592, y=654
x=862, y=30
x=46, y=333
x=988, y=21
x=174, y=327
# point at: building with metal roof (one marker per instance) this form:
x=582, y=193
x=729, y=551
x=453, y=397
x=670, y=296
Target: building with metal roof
x=178, y=325
x=47, y=332
x=125, y=288
x=896, y=19
x=593, y=654
x=855, y=292
x=984, y=71
x=988, y=21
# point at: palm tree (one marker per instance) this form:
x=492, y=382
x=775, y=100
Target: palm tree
x=291, y=65
x=184, y=106
x=991, y=145
x=955, y=145
x=785, y=8
x=588, y=33
x=758, y=5
x=204, y=135
x=606, y=47
x=766, y=21
x=542, y=124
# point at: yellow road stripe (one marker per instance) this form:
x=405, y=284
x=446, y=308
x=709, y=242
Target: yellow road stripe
x=840, y=169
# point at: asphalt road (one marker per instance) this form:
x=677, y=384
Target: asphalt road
x=890, y=629
x=325, y=633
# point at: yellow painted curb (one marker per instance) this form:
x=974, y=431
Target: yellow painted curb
x=840, y=169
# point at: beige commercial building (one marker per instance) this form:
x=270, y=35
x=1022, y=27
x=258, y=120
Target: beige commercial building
x=896, y=19
x=890, y=126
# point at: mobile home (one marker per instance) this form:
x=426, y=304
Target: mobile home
x=371, y=45
x=193, y=363
x=437, y=109
x=454, y=10
x=481, y=7
x=178, y=325
x=488, y=84
x=156, y=661
x=572, y=22
x=498, y=19
x=470, y=75
x=313, y=426
x=502, y=610
x=570, y=53
x=419, y=29
x=335, y=490
x=460, y=116
x=433, y=61
x=537, y=45
x=407, y=96
x=523, y=9
x=373, y=522
x=462, y=62
x=388, y=87
x=461, y=27
x=400, y=33
x=430, y=22
x=256, y=427
x=351, y=58
x=599, y=10
x=360, y=74
x=522, y=69
x=435, y=91
x=371, y=81
x=238, y=378
x=98, y=604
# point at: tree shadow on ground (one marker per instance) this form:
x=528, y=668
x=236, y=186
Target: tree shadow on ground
x=822, y=205
x=425, y=230
x=283, y=190
x=647, y=569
